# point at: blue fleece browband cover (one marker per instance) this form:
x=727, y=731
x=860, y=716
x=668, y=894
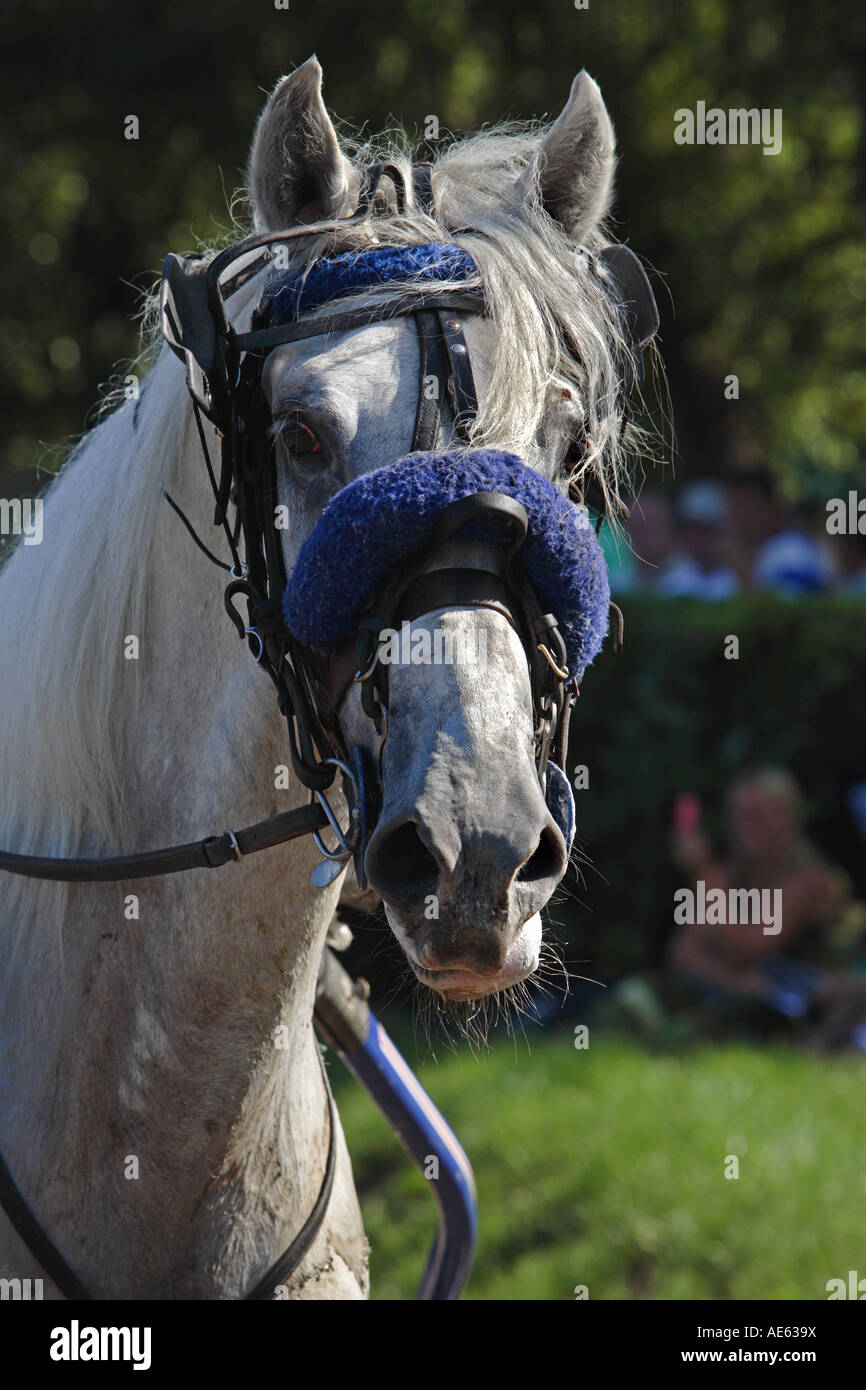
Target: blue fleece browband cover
x=381, y=518
x=354, y=271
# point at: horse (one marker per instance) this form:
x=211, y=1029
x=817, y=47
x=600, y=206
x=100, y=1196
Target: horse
x=161, y=1100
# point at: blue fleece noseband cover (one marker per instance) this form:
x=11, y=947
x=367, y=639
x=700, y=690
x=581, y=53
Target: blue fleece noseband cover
x=380, y=519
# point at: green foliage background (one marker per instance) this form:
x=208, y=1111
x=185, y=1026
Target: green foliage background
x=606, y=1167
x=761, y=261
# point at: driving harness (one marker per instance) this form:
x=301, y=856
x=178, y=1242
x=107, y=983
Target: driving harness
x=224, y=380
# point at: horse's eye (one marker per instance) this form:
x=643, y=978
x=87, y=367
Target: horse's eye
x=298, y=438
x=573, y=456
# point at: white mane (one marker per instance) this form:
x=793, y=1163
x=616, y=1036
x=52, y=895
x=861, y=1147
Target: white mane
x=70, y=699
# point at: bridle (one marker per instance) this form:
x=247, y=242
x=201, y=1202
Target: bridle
x=224, y=381
x=224, y=370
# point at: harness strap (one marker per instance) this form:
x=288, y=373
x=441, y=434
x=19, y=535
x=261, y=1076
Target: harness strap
x=422, y=183
x=417, y=193
x=443, y=588
x=35, y=1238
x=292, y=1257
x=210, y=853
x=467, y=302
x=70, y=1285
x=462, y=383
x=372, y=177
x=432, y=367
x=455, y=588
x=220, y=518
x=192, y=531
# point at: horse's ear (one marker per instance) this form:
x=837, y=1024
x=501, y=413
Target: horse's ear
x=572, y=169
x=297, y=172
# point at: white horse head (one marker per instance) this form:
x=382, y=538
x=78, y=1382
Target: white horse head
x=465, y=853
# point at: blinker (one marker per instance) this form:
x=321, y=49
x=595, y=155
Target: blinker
x=188, y=326
x=641, y=310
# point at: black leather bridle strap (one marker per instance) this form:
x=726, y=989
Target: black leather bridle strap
x=443, y=588
x=35, y=1238
x=70, y=1285
x=422, y=184
x=192, y=531
x=455, y=588
x=210, y=853
x=260, y=339
x=291, y=1258
x=432, y=368
x=220, y=489
x=465, y=398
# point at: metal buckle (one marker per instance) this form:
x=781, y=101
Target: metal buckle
x=254, y=632
x=561, y=671
x=236, y=849
x=364, y=674
x=347, y=841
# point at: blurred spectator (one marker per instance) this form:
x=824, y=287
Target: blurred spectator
x=703, y=514
x=793, y=561
x=651, y=538
x=719, y=538
x=801, y=971
x=754, y=518
x=642, y=551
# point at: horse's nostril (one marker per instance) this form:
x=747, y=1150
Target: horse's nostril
x=544, y=862
x=414, y=858
x=399, y=864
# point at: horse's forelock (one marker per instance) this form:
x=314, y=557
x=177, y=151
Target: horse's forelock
x=544, y=297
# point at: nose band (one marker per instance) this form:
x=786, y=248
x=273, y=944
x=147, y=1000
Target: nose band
x=381, y=518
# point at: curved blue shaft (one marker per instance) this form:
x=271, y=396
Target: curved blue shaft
x=390, y=1082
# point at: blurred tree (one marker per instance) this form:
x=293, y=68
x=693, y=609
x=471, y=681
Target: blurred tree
x=764, y=257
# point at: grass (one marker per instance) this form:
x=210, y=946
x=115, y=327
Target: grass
x=606, y=1168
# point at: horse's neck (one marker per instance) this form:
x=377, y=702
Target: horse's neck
x=160, y=1066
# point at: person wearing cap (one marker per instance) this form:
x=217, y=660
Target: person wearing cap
x=650, y=540
x=703, y=518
